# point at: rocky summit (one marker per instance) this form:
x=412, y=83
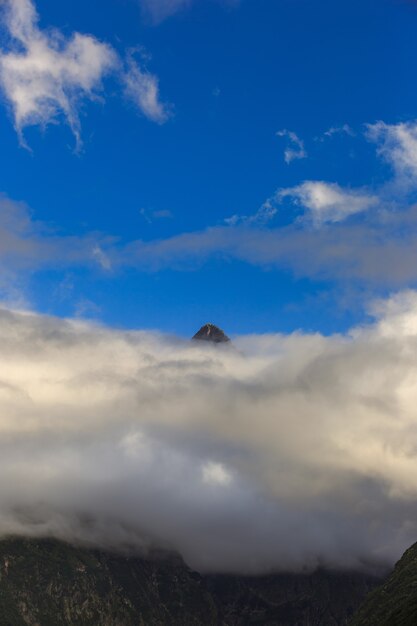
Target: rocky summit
x=212, y=333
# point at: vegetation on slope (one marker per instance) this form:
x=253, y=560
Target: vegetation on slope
x=50, y=583
x=394, y=603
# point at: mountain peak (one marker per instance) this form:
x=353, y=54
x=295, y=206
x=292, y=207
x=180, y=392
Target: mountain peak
x=210, y=332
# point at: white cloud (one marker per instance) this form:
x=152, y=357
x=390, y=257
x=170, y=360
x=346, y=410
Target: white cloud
x=288, y=452
x=142, y=88
x=397, y=144
x=46, y=76
x=296, y=150
x=327, y=202
x=43, y=75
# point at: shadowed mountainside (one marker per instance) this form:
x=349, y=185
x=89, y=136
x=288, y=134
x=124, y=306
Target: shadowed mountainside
x=51, y=583
x=394, y=603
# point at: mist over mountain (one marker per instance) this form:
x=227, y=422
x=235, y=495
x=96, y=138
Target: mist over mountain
x=287, y=454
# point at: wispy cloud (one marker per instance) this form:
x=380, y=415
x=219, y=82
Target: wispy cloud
x=338, y=130
x=397, y=144
x=29, y=245
x=142, y=88
x=265, y=214
x=296, y=149
x=158, y=10
x=45, y=76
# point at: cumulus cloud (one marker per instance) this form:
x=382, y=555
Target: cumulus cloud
x=296, y=149
x=328, y=202
x=45, y=76
x=282, y=452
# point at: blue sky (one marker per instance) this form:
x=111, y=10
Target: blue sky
x=168, y=163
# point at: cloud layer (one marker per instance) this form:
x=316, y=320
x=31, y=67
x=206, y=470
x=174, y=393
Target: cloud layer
x=281, y=452
x=380, y=250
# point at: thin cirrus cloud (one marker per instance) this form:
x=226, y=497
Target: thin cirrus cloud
x=45, y=76
x=159, y=10
x=339, y=130
x=128, y=430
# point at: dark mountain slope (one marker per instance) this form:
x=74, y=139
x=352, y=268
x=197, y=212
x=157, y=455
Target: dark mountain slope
x=50, y=583
x=395, y=602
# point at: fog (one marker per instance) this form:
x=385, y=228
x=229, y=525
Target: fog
x=277, y=452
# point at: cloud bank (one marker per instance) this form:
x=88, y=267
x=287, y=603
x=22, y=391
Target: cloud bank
x=280, y=453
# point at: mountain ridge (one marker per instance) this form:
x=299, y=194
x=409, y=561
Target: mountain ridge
x=46, y=582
